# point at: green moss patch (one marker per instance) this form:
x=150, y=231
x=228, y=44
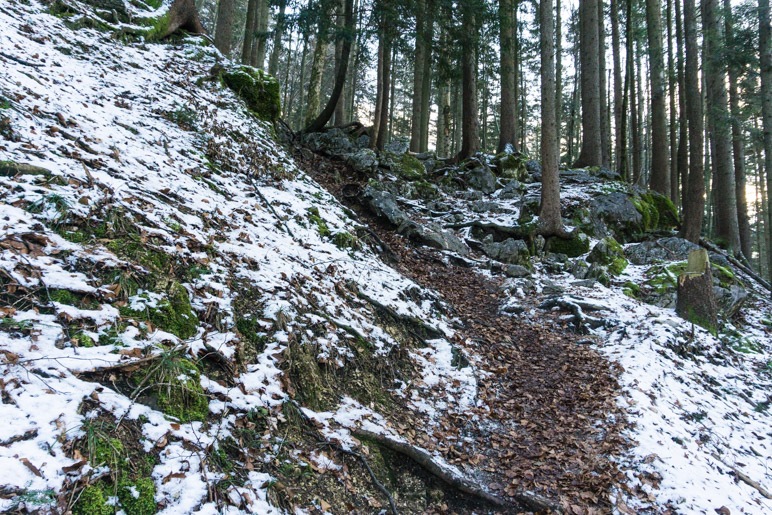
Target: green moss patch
x=321, y=226
x=92, y=501
x=574, y=246
x=511, y=166
x=137, y=497
x=609, y=253
x=173, y=314
x=173, y=383
x=257, y=89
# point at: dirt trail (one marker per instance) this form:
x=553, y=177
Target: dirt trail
x=547, y=420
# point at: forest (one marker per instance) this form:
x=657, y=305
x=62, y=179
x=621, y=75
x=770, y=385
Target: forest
x=369, y=256
x=673, y=95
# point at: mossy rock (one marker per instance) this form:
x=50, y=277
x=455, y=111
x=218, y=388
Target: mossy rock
x=407, y=166
x=609, y=253
x=574, y=246
x=138, y=497
x=346, y=240
x=511, y=166
x=259, y=90
x=92, y=501
x=657, y=211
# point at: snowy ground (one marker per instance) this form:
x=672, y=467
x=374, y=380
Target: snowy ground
x=126, y=126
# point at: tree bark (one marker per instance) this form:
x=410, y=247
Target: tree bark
x=727, y=227
x=278, y=32
x=683, y=146
x=619, y=135
x=765, y=53
x=673, y=125
x=695, y=299
x=508, y=109
x=470, y=132
x=183, y=15
x=250, y=27
x=591, y=153
x=738, y=144
x=383, y=122
x=635, y=132
x=416, y=135
x=660, y=170
x=694, y=201
x=550, y=222
x=426, y=87
x=223, y=32
x=315, y=81
x=605, y=121
x=340, y=77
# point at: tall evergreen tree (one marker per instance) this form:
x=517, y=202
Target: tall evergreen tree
x=660, y=163
x=591, y=153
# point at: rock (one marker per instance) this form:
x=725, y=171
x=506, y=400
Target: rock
x=330, y=142
x=533, y=166
x=585, y=283
x=552, y=288
x=405, y=166
x=615, y=214
x=484, y=206
x=257, y=89
x=555, y=263
x=364, y=161
x=512, y=190
x=574, y=246
x=516, y=271
x=397, y=146
x=609, y=253
x=580, y=269
x=481, y=178
x=509, y=251
x=511, y=166
x=663, y=249
x=384, y=205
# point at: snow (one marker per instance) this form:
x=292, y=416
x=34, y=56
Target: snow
x=696, y=402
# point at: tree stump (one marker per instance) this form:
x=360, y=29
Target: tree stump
x=696, y=301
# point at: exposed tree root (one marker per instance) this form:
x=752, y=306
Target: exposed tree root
x=574, y=306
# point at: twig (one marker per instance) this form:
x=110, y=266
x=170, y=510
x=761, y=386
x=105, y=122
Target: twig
x=21, y=61
x=269, y=206
x=745, y=478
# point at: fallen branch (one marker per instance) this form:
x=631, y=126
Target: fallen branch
x=745, y=478
x=119, y=366
x=736, y=262
x=21, y=61
x=380, y=486
x=528, y=500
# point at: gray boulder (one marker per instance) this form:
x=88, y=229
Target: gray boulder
x=364, y=160
x=397, y=146
x=330, y=142
x=667, y=249
x=509, y=251
x=481, y=178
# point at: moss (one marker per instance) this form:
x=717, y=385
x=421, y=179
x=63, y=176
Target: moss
x=251, y=333
x=631, y=289
x=574, y=246
x=649, y=214
x=106, y=451
x=175, y=383
x=63, y=297
x=409, y=167
x=138, y=497
x=511, y=166
x=174, y=314
x=81, y=339
x=92, y=501
x=345, y=240
x=667, y=214
x=257, y=89
x=609, y=252
x=321, y=225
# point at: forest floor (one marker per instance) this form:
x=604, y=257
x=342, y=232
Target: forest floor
x=547, y=418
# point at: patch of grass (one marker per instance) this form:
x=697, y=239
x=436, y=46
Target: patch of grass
x=321, y=225
x=15, y=327
x=185, y=117
x=31, y=499
x=173, y=314
x=346, y=240
x=175, y=382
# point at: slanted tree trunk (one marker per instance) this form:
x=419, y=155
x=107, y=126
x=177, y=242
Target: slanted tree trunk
x=550, y=222
x=591, y=153
x=660, y=169
x=694, y=201
x=340, y=77
x=223, y=32
x=695, y=299
x=508, y=113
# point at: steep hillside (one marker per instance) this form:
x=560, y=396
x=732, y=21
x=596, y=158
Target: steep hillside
x=191, y=323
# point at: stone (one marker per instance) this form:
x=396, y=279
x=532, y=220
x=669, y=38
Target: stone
x=384, y=205
x=332, y=142
x=481, y=178
x=511, y=166
x=509, y=251
x=257, y=89
x=397, y=146
x=364, y=161
x=511, y=190
x=574, y=246
x=516, y=271
x=609, y=253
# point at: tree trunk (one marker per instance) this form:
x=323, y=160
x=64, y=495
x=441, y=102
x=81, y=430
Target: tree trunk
x=660, y=171
x=695, y=299
x=383, y=122
x=725, y=195
x=340, y=116
x=426, y=87
x=558, y=75
x=223, y=32
x=470, y=132
x=257, y=58
x=550, y=222
x=315, y=81
x=671, y=80
x=635, y=131
x=418, y=76
x=605, y=122
x=619, y=135
x=278, y=32
x=738, y=145
x=250, y=28
x=508, y=113
x=591, y=153
x=340, y=76
x=683, y=147
x=694, y=201
x=765, y=53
